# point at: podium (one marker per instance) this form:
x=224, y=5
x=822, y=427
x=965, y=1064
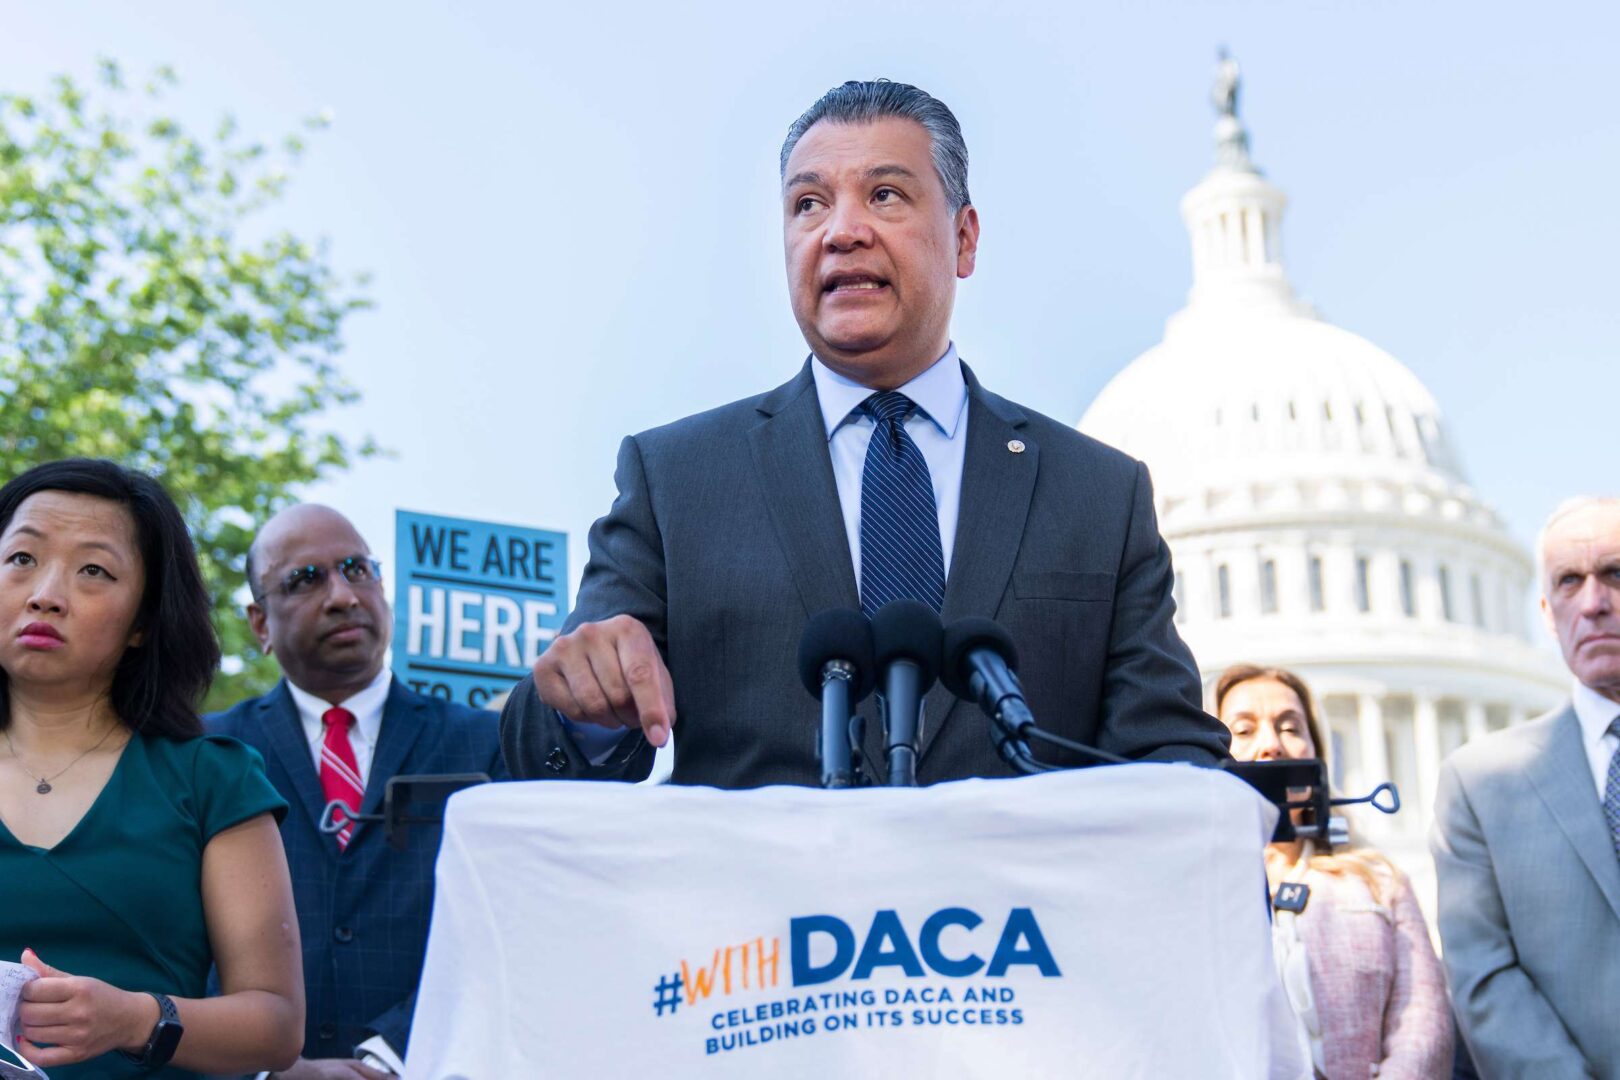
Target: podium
x=1099, y=923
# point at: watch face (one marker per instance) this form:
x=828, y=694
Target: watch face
x=165, y=1040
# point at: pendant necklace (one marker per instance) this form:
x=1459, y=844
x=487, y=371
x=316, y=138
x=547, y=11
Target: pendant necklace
x=44, y=785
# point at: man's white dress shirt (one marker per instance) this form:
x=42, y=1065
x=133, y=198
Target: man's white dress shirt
x=1595, y=713
x=367, y=707
x=938, y=427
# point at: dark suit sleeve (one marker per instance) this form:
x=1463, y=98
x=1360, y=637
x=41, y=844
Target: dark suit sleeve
x=496, y=770
x=625, y=576
x=395, y=1025
x=1152, y=697
x=1511, y=1029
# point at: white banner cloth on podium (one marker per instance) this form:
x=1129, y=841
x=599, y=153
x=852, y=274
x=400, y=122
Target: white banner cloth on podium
x=1105, y=923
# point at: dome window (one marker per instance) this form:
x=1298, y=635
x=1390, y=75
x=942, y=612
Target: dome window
x=1223, y=592
x=1268, y=587
x=1476, y=594
x=1429, y=440
x=1318, y=598
x=1408, y=595
x=1363, y=584
x=1446, y=608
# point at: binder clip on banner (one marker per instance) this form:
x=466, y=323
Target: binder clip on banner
x=407, y=801
x=1301, y=786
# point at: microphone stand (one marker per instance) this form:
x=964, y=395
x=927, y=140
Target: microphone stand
x=902, y=706
x=1012, y=725
x=834, y=742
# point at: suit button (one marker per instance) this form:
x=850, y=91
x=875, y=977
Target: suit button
x=343, y=934
x=557, y=760
x=328, y=1031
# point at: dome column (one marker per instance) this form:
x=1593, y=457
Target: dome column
x=1374, y=741
x=1426, y=733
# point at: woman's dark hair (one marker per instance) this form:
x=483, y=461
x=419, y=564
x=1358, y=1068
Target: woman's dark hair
x=158, y=686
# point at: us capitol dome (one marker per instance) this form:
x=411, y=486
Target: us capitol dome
x=1318, y=513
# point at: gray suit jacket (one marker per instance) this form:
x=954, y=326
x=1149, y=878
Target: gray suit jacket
x=1530, y=904
x=726, y=537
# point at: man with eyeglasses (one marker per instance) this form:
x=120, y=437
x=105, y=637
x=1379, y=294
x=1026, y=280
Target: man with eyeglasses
x=337, y=727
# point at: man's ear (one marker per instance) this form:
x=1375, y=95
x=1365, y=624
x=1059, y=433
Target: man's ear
x=1547, y=616
x=967, y=240
x=259, y=623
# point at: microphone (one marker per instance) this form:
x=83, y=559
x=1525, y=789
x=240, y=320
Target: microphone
x=837, y=666
x=980, y=662
x=906, y=638
x=981, y=666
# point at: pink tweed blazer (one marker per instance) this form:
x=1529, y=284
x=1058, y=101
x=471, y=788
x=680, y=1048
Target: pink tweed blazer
x=1380, y=990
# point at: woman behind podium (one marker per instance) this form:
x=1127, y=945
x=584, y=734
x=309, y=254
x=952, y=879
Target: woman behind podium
x=134, y=852
x=1360, y=972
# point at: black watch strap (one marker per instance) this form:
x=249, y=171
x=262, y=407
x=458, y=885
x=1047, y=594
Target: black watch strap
x=165, y=1037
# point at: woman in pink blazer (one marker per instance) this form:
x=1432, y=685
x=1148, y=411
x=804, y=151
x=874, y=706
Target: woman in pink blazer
x=1357, y=964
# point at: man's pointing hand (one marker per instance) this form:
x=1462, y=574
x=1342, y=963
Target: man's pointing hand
x=609, y=673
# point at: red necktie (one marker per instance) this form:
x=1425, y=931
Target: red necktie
x=340, y=773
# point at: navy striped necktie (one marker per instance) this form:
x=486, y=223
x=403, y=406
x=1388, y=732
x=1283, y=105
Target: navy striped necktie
x=901, y=556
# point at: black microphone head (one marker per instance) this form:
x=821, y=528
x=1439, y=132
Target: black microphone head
x=838, y=634
x=963, y=637
x=908, y=630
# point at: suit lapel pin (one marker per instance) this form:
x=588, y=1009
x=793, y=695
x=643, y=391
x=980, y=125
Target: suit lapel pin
x=1016, y=446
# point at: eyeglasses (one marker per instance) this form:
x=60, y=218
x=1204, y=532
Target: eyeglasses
x=359, y=570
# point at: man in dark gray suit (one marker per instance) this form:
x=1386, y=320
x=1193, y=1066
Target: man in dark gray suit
x=883, y=469
x=1527, y=839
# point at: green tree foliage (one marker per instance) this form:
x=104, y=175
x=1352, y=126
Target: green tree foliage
x=150, y=314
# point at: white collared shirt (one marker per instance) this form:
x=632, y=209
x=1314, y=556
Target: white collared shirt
x=1595, y=713
x=367, y=707
x=938, y=427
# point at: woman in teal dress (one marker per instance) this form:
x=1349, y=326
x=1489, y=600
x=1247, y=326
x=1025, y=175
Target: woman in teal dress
x=135, y=852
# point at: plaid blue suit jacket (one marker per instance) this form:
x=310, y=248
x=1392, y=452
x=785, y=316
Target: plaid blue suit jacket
x=363, y=912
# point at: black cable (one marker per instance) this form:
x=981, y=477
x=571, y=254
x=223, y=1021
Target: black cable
x=1033, y=732
x=1027, y=764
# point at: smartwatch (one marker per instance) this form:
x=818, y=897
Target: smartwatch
x=165, y=1037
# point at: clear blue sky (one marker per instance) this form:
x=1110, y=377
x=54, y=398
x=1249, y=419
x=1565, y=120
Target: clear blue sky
x=571, y=210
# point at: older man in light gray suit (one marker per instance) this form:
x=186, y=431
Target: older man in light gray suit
x=883, y=469
x=1527, y=840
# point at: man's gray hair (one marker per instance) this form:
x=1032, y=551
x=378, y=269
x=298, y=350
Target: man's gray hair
x=1562, y=511
x=859, y=102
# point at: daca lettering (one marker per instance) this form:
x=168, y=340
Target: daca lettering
x=887, y=944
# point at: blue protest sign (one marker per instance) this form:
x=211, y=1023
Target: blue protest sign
x=475, y=602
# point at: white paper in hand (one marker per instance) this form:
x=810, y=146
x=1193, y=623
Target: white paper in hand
x=13, y=977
